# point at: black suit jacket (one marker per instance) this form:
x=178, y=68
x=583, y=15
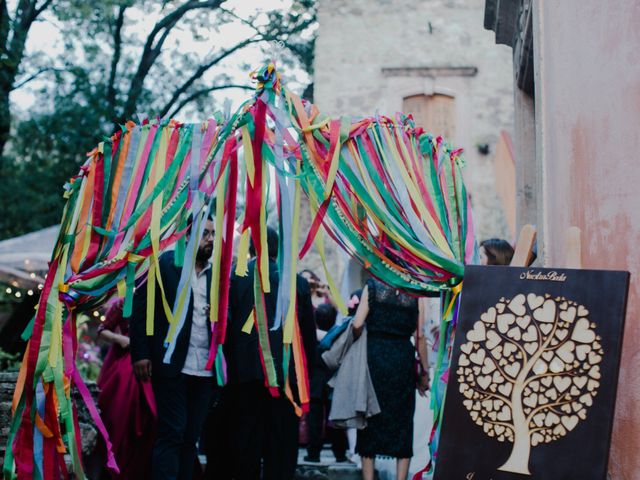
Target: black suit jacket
x=242, y=350
x=152, y=347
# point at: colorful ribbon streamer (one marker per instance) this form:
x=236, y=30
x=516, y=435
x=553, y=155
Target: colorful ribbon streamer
x=388, y=193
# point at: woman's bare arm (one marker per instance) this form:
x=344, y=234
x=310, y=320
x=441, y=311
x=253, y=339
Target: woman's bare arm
x=421, y=344
x=362, y=311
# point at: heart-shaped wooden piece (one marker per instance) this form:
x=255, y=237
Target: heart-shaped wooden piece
x=493, y=340
x=546, y=313
x=582, y=332
x=505, y=389
x=477, y=357
x=478, y=333
x=570, y=422
x=512, y=370
x=561, y=383
x=534, y=300
x=489, y=316
x=516, y=305
x=484, y=381
x=505, y=321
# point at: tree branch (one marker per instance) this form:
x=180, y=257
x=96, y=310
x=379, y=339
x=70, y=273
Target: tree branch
x=12, y=54
x=533, y=359
x=5, y=21
x=244, y=21
x=548, y=405
x=153, y=48
x=568, y=373
x=539, y=429
x=117, y=52
x=33, y=76
x=42, y=8
x=552, y=333
x=556, y=347
x=535, y=323
x=14, y=51
x=493, y=422
x=201, y=70
x=516, y=344
x=199, y=93
x=557, y=412
x=502, y=372
x=26, y=13
x=491, y=394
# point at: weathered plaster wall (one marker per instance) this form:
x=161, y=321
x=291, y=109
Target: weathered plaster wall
x=357, y=39
x=587, y=114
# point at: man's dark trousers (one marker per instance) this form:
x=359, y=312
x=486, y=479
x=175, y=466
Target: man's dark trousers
x=261, y=427
x=338, y=437
x=183, y=403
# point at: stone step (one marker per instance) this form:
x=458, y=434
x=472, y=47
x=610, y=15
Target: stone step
x=326, y=469
x=327, y=472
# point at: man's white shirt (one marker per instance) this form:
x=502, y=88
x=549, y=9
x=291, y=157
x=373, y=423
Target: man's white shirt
x=198, y=352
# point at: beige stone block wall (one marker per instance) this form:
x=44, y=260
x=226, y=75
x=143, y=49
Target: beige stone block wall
x=358, y=39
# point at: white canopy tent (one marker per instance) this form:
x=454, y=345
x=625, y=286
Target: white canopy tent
x=24, y=259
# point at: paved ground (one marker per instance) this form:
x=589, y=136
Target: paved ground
x=385, y=466
x=327, y=469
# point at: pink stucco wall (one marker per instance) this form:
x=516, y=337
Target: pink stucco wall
x=588, y=128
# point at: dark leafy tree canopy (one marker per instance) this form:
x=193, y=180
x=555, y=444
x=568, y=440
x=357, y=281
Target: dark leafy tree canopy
x=114, y=59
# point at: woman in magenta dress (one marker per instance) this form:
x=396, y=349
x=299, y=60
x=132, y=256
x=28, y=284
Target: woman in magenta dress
x=126, y=404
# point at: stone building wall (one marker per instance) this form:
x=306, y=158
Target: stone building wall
x=370, y=54
x=586, y=115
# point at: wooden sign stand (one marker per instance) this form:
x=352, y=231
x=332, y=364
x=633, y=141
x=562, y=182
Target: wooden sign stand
x=537, y=370
x=523, y=254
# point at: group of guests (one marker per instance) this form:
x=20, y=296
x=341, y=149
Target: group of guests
x=160, y=414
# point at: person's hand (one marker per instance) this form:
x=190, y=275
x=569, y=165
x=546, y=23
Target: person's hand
x=123, y=342
x=142, y=369
x=424, y=383
x=322, y=291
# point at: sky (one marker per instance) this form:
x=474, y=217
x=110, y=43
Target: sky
x=46, y=37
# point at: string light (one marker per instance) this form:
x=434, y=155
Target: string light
x=29, y=292
x=32, y=275
x=8, y=290
x=40, y=286
x=18, y=294
x=96, y=313
x=102, y=318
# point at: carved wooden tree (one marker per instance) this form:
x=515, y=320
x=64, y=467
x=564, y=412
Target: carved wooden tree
x=529, y=371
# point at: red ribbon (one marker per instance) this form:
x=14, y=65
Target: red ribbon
x=23, y=444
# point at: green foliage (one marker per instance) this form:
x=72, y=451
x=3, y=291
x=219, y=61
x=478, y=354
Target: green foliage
x=48, y=149
x=115, y=64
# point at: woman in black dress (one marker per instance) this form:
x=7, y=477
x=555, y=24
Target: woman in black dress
x=391, y=318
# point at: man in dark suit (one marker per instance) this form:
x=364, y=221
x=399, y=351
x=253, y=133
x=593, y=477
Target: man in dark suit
x=250, y=424
x=183, y=388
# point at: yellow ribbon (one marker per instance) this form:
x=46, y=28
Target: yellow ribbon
x=248, y=325
x=291, y=312
x=264, y=259
x=214, y=293
x=243, y=254
x=135, y=258
x=456, y=291
x=247, y=149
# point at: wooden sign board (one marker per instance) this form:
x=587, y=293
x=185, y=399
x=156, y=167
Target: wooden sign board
x=532, y=385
